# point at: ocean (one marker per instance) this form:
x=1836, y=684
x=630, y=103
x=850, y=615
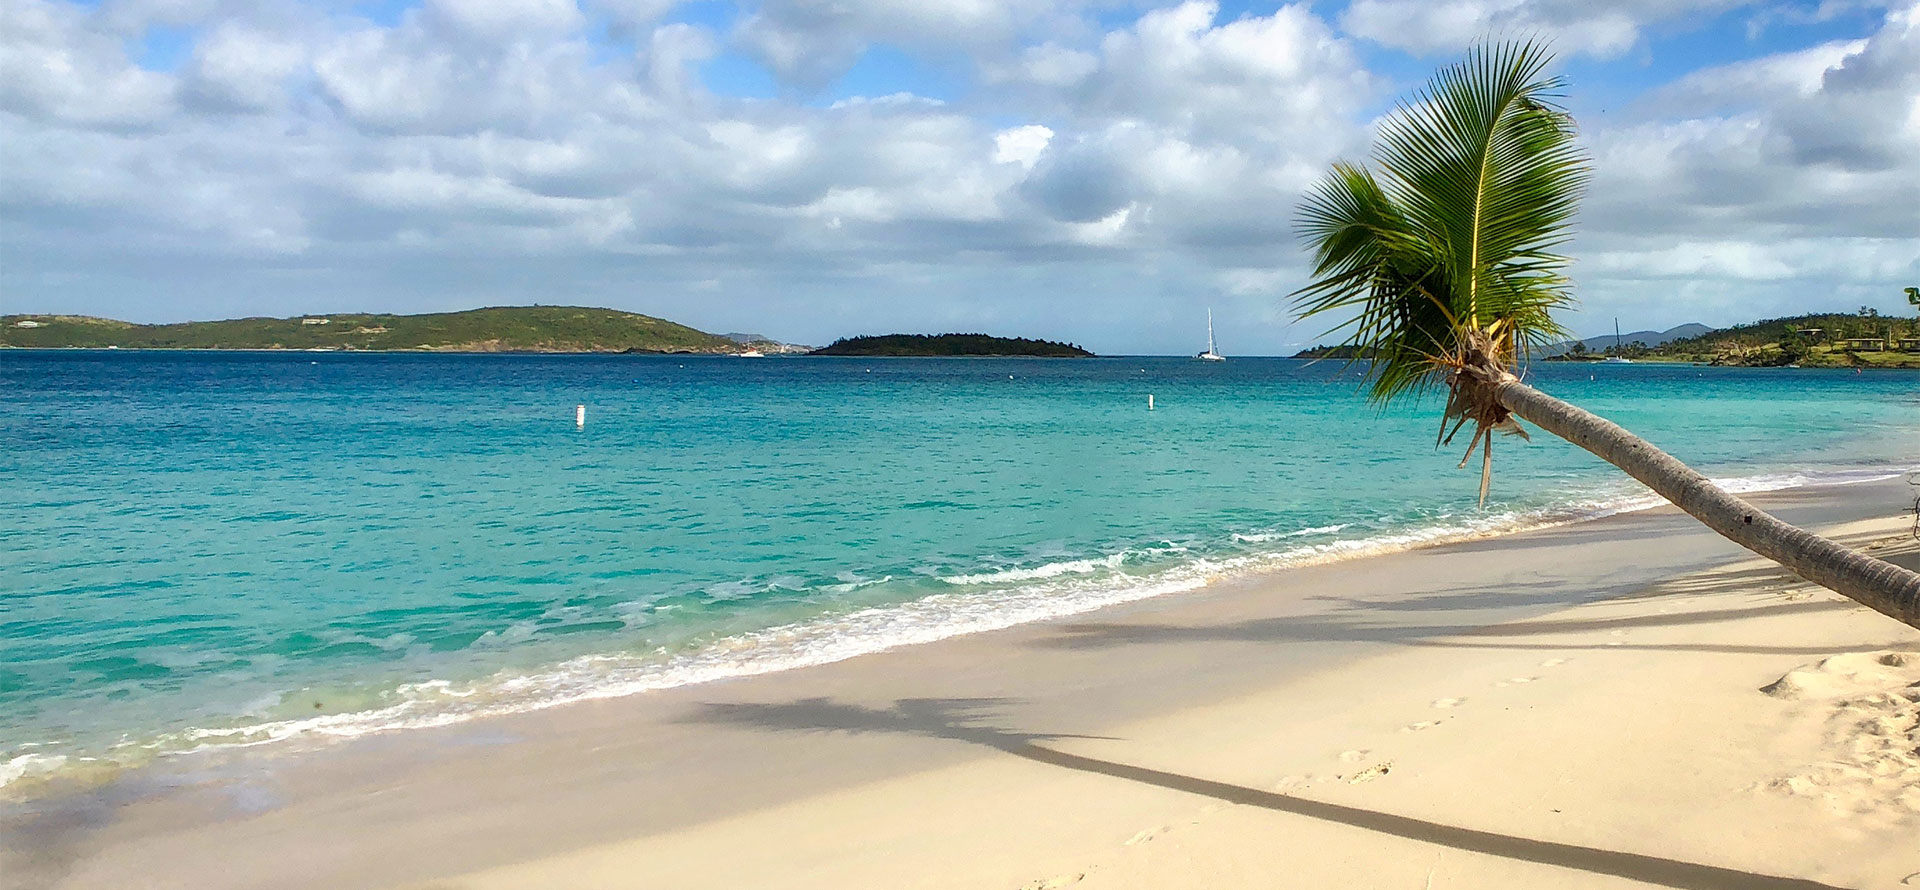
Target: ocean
x=210, y=549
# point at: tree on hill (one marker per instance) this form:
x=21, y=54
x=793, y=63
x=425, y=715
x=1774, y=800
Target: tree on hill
x=950, y=345
x=1446, y=255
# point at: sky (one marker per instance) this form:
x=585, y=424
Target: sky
x=1098, y=171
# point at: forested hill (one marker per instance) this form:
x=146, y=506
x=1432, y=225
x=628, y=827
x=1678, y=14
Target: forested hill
x=1823, y=339
x=950, y=345
x=499, y=329
x=1818, y=340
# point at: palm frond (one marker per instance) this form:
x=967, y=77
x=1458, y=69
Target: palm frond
x=1452, y=234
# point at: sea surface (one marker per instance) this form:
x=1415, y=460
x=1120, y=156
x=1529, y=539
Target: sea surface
x=207, y=549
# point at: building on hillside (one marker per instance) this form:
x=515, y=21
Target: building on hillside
x=1815, y=334
x=26, y=323
x=1866, y=344
x=316, y=320
x=1910, y=344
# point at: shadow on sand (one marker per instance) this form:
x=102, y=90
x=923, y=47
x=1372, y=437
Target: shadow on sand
x=965, y=720
x=1458, y=618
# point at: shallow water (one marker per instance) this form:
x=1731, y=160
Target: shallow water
x=213, y=548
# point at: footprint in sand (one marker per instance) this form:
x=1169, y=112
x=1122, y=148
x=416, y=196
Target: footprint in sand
x=1449, y=702
x=1146, y=834
x=1870, y=704
x=1354, y=756
x=1052, y=883
x=1416, y=727
x=1553, y=662
x=1290, y=784
x=1370, y=773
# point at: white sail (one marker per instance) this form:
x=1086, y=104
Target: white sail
x=1211, y=355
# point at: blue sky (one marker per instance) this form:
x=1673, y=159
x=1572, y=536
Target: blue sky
x=1099, y=170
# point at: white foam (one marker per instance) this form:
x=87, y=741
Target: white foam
x=1049, y=570
x=1049, y=591
x=1268, y=537
x=30, y=766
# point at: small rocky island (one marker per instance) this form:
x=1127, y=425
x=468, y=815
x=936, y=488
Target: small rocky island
x=950, y=345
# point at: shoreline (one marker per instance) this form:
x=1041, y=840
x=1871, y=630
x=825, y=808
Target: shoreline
x=534, y=786
x=438, y=703
x=646, y=354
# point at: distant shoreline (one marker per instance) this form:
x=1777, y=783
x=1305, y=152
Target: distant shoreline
x=607, y=353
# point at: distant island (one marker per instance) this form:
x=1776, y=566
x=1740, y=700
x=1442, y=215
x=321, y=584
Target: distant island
x=1341, y=352
x=950, y=345
x=1864, y=339
x=497, y=329
x=1590, y=346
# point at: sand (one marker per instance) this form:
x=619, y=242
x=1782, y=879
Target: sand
x=1625, y=702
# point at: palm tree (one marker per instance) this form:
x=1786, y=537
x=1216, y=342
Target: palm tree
x=1444, y=253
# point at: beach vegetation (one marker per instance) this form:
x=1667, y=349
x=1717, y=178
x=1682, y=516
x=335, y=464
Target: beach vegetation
x=1442, y=260
x=1815, y=340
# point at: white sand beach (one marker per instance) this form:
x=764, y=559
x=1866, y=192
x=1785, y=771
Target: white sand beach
x=1623, y=702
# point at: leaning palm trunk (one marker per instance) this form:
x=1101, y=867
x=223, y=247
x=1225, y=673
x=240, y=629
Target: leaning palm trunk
x=1446, y=260
x=1875, y=583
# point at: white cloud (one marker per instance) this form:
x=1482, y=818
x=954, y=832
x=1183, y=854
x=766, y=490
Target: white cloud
x=809, y=43
x=1739, y=84
x=1576, y=26
x=505, y=21
x=1021, y=145
x=238, y=68
x=54, y=68
x=469, y=151
x=1795, y=175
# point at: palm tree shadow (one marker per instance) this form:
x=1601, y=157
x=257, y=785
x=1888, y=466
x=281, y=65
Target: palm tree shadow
x=965, y=720
x=1355, y=625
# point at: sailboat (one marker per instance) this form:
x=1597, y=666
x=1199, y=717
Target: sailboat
x=1616, y=359
x=1210, y=355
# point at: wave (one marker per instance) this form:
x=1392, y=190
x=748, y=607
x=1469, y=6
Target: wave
x=984, y=602
x=1049, y=570
x=1269, y=537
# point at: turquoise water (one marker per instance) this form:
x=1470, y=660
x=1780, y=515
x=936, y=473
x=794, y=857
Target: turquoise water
x=207, y=548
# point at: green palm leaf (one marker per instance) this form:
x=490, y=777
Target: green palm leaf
x=1442, y=257
x=1451, y=237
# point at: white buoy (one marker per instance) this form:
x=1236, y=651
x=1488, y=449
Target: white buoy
x=1149, y=401
x=579, y=415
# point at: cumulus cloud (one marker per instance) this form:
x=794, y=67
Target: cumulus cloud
x=1021, y=145
x=298, y=157
x=1798, y=172
x=1576, y=26
x=55, y=68
x=808, y=43
x=238, y=68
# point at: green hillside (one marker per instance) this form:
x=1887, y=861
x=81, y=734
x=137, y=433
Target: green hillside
x=1792, y=341
x=499, y=329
